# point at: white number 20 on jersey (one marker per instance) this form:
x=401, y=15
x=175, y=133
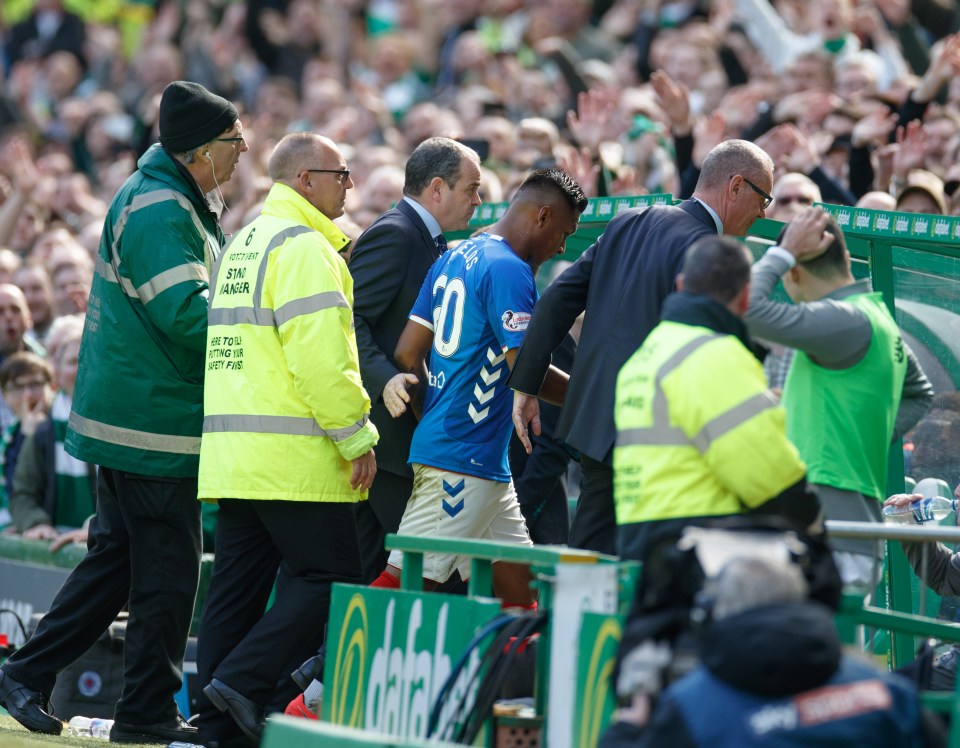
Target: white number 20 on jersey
x=448, y=315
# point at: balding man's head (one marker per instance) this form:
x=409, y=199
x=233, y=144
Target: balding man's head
x=312, y=165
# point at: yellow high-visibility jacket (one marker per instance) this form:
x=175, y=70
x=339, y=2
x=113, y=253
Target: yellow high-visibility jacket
x=698, y=432
x=284, y=408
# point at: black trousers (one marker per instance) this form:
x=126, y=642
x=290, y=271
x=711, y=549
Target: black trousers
x=143, y=551
x=303, y=547
x=379, y=515
x=594, y=525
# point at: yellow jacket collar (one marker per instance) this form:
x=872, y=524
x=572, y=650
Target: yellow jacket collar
x=285, y=202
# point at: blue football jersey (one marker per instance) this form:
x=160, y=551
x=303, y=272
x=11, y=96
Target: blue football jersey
x=477, y=299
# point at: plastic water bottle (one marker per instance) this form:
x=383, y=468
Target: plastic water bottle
x=87, y=727
x=920, y=511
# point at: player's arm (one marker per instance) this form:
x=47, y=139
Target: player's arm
x=411, y=352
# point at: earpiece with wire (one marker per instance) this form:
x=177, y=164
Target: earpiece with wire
x=213, y=171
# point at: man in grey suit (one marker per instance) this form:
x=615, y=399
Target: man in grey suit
x=388, y=265
x=621, y=282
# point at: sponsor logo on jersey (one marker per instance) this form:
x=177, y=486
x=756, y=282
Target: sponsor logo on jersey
x=515, y=321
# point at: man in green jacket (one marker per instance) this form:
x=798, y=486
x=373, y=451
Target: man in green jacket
x=138, y=413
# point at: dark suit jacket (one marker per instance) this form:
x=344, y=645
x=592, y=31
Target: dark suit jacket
x=389, y=262
x=621, y=282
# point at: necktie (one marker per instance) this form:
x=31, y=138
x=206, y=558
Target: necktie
x=441, y=244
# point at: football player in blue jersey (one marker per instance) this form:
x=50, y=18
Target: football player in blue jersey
x=459, y=342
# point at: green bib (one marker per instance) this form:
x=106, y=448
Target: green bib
x=842, y=420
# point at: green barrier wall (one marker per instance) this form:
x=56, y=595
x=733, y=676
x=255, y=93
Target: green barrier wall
x=30, y=577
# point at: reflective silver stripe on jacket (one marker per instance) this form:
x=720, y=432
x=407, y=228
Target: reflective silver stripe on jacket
x=105, y=271
x=124, y=437
x=661, y=433
x=732, y=418
x=309, y=305
x=189, y=271
x=167, y=278
x=291, y=425
x=260, y=315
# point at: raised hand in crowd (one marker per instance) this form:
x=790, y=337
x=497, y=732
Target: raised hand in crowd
x=22, y=174
x=674, y=99
x=910, y=152
x=874, y=129
x=895, y=12
x=869, y=24
x=721, y=16
x=801, y=151
x=590, y=125
x=944, y=65
x=579, y=164
x=806, y=108
x=740, y=105
x=708, y=133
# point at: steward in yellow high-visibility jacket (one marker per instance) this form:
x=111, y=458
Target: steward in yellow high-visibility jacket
x=285, y=411
x=699, y=435
x=287, y=447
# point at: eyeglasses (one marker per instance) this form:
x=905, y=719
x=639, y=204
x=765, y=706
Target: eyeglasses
x=767, y=199
x=342, y=174
x=234, y=141
x=24, y=386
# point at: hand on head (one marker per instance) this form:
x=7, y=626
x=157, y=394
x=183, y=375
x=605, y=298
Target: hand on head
x=807, y=237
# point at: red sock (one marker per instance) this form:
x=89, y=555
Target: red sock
x=297, y=708
x=507, y=606
x=523, y=644
x=386, y=580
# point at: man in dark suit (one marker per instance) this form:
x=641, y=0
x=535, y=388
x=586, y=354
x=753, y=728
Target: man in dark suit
x=388, y=264
x=621, y=282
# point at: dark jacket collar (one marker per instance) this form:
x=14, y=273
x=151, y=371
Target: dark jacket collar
x=696, y=209
x=160, y=164
x=702, y=311
x=412, y=214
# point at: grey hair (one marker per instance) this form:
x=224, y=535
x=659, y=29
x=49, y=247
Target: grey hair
x=730, y=158
x=746, y=583
x=189, y=157
x=435, y=157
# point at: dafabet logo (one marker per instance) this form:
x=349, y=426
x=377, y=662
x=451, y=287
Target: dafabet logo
x=391, y=664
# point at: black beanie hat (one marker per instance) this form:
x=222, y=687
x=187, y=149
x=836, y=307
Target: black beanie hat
x=190, y=116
